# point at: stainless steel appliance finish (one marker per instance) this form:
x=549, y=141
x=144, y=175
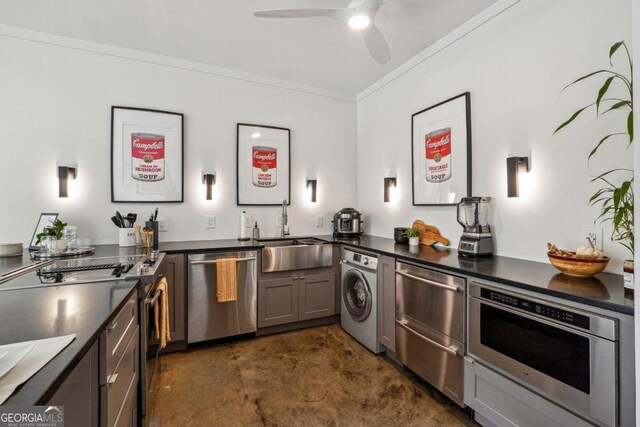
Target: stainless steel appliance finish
x=359, y=289
x=291, y=254
x=210, y=319
x=567, y=355
x=476, y=237
x=347, y=222
x=430, y=327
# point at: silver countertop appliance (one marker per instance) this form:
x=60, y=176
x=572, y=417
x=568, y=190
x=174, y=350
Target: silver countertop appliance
x=347, y=222
x=210, y=319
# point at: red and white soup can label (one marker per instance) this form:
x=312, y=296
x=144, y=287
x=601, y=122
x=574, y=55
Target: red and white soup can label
x=147, y=157
x=437, y=145
x=265, y=166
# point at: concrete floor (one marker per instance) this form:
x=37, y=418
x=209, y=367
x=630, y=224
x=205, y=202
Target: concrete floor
x=313, y=377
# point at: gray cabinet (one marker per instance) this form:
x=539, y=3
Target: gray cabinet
x=173, y=268
x=386, y=305
x=277, y=301
x=79, y=392
x=120, y=367
x=500, y=402
x=102, y=390
x=300, y=296
x=316, y=295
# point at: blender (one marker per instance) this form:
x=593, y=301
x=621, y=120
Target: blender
x=476, y=237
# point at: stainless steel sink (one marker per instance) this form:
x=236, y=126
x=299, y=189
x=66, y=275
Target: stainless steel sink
x=295, y=254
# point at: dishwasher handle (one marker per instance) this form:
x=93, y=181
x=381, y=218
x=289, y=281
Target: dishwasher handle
x=429, y=282
x=214, y=261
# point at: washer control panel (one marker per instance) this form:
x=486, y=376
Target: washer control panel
x=358, y=259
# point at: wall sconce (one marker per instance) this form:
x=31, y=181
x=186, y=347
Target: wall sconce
x=313, y=184
x=389, y=181
x=515, y=166
x=209, y=179
x=65, y=173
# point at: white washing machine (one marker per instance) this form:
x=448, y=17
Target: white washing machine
x=359, y=298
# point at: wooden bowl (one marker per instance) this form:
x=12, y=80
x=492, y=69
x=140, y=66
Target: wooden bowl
x=578, y=267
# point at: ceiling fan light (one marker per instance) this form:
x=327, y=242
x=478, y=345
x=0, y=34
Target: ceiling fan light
x=359, y=22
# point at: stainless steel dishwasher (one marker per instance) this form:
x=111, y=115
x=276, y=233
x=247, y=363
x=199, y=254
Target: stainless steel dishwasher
x=430, y=327
x=210, y=319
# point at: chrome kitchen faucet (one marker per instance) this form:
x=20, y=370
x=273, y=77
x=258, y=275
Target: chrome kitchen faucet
x=285, y=219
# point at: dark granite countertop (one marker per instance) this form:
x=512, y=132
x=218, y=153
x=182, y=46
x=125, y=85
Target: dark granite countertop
x=37, y=313
x=604, y=290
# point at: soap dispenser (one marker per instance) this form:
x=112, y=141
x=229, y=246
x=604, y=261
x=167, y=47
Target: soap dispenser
x=256, y=231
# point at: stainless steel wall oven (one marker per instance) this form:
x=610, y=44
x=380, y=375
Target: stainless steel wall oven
x=568, y=355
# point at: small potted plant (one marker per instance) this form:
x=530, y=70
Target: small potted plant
x=52, y=237
x=414, y=236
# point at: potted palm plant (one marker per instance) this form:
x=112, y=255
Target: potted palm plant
x=615, y=192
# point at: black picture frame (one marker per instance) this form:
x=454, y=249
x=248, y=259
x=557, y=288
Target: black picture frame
x=452, y=118
x=247, y=193
x=146, y=119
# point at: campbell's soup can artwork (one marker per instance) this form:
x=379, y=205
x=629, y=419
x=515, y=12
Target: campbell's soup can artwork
x=147, y=157
x=437, y=145
x=265, y=166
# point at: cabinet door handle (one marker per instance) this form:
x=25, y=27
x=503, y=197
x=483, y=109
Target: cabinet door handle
x=295, y=277
x=111, y=379
x=112, y=326
x=302, y=277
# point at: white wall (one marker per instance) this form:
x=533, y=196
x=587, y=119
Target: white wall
x=514, y=66
x=55, y=107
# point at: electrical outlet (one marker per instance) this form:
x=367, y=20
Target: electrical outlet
x=163, y=224
x=248, y=221
x=595, y=234
x=278, y=221
x=210, y=221
x=318, y=220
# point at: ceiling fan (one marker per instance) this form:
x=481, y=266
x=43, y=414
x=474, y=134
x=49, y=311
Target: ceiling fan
x=358, y=15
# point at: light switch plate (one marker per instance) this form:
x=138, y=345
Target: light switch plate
x=319, y=220
x=163, y=224
x=210, y=221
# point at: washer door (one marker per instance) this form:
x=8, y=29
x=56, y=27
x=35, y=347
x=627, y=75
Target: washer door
x=356, y=295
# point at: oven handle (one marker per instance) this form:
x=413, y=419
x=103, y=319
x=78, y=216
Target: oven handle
x=151, y=301
x=214, y=261
x=452, y=350
x=429, y=282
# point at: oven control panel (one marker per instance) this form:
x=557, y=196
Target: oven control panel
x=543, y=310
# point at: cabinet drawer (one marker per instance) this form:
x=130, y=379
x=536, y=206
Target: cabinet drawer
x=432, y=298
x=435, y=357
x=121, y=383
x=501, y=402
x=128, y=416
x=116, y=336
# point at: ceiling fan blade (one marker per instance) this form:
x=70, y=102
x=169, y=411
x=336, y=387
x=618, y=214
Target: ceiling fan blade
x=296, y=13
x=376, y=44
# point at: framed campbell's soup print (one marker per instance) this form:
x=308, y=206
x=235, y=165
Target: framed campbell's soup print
x=441, y=152
x=263, y=165
x=147, y=163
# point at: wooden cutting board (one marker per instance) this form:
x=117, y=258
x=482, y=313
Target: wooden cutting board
x=429, y=234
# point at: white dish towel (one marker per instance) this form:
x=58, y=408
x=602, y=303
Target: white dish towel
x=35, y=354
